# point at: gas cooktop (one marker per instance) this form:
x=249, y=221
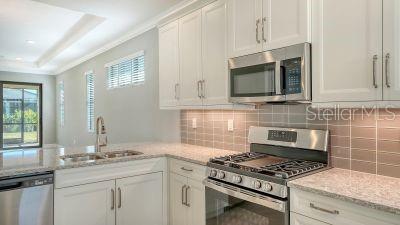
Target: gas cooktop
x=276, y=156
x=268, y=165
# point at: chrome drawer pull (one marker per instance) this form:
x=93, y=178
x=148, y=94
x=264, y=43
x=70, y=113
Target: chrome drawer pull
x=335, y=212
x=188, y=170
x=257, y=30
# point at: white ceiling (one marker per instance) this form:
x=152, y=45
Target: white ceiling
x=68, y=32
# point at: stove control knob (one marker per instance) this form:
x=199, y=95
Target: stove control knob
x=237, y=179
x=221, y=175
x=257, y=184
x=268, y=187
x=213, y=173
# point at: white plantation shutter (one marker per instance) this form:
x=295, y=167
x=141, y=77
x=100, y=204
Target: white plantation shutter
x=126, y=71
x=90, y=100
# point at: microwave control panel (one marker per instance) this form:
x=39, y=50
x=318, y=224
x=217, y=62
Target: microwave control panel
x=292, y=68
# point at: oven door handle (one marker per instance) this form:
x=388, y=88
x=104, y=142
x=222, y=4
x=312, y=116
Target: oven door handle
x=249, y=196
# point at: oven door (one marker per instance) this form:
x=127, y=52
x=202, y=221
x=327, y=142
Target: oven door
x=229, y=205
x=256, y=78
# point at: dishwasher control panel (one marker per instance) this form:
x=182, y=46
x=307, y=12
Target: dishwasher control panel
x=39, y=182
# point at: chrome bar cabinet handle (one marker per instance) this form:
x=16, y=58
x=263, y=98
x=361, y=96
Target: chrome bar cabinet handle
x=374, y=61
x=188, y=170
x=183, y=200
x=120, y=198
x=186, y=194
x=263, y=29
x=334, y=212
x=387, y=61
x=198, y=88
x=112, y=199
x=257, y=30
x=176, y=91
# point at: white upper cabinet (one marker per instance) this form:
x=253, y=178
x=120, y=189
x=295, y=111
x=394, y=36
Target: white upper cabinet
x=391, y=49
x=214, y=45
x=257, y=25
x=245, y=21
x=190, y=64
x=169, y=65
x=286, y=22
x=140, y=199
x=347, y=50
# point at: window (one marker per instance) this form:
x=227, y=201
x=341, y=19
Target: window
x=126, y=71
x=90, y=101
x=22, y=113
x=62, y=103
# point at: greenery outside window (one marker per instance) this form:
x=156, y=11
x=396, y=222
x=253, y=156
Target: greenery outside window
x=22, y=109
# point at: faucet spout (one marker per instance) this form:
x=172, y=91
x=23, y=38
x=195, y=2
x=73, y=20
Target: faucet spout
x=101, y=135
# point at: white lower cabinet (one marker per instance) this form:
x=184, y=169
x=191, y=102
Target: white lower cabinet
x=133, y=200
x=140, y=200
x=89, y=204
x=187, y=194
x=312, y=209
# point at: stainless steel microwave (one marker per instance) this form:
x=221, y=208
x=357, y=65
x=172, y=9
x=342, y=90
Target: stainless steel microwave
x=273, y=76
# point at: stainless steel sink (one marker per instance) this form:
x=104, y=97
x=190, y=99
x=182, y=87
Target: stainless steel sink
x=81, y=157
x=119, y=154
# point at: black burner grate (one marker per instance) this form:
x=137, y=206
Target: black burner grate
x=291, y=168
x=228, y=160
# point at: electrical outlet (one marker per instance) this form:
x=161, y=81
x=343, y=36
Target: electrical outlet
x=230, y=125
x=194, y=123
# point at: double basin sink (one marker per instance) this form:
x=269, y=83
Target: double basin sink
x=90, y=157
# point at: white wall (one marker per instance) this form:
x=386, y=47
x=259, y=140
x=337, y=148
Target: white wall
x=49, y=99
x=131, y=114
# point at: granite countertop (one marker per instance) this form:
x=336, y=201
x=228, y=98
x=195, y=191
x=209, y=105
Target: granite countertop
x=18, y=162
x=369, y=190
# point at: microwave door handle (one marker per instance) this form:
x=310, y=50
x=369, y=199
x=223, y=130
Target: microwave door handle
x=278, y=78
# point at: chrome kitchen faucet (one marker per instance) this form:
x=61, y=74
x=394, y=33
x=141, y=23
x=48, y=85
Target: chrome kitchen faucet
x=101, y=135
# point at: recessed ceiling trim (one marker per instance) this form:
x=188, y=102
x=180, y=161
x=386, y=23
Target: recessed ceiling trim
x=152, y=23
x=84, y=25
x=21, y=67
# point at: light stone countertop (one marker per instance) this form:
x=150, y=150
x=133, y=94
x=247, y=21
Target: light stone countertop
x=369, y=190
x=19, y=162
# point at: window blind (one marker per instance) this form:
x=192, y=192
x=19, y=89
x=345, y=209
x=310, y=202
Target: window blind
x=62, y=103
x=90, y=100
x=126, y=71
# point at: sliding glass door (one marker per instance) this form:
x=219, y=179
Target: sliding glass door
x=21, y=121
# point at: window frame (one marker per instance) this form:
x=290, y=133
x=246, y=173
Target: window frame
x=133, y=56
x=61, y=103
x=90, y=129
x=40, y=133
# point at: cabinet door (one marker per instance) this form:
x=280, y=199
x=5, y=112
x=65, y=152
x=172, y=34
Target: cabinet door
x=297, y=219
x=190, y=58
x=169, y=64
x=346, y=52
x=243, y=36
x=215, y=61
x=197, y=203
x=286, y=22
x=178, y=211
x=140, y=200
x=391, y=49
x=90, y=204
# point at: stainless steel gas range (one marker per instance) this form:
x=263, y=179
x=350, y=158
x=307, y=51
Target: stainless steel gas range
x=251, y=188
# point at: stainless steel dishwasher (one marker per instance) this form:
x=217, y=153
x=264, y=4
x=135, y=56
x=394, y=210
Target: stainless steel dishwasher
x=27, y=200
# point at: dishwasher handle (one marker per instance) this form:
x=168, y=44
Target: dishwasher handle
x=26, y=181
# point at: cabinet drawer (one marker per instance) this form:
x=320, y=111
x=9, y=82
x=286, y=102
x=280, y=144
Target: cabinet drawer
x=297, y=219
x=187, y=169
x=333, y=211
